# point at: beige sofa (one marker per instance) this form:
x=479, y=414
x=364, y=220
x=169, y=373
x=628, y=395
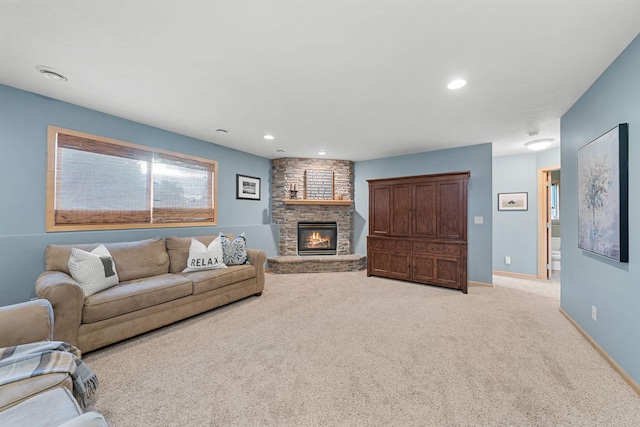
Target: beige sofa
x=42, y=400
x=152, y=291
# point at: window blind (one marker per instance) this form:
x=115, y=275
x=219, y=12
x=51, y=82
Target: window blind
x=104, y=182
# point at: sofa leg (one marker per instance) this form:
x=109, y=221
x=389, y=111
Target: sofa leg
x=258, y=294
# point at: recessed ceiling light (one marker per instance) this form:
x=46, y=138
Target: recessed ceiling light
x=281, y=150
x=322, y=153
x=52, y=74
x=269, y=137
x=457, y=84
x=222, y=130
x=539, y=144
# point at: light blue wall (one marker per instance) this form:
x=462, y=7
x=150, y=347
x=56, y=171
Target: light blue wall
x=24, y=117
x=476, y=159
x=548, y=158
x=515, y=233
x=614, y=288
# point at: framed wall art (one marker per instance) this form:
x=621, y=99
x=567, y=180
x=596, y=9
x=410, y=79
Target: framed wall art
x=513, y=201
x=247, y=187
x=603, y=194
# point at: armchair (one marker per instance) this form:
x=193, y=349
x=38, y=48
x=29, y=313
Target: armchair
x=42, y=400
x=23, y=323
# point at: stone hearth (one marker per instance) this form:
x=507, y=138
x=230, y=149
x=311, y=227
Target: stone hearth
x=316, y=264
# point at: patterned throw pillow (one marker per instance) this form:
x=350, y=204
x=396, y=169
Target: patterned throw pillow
x=234, y=252
x=94, y=271
x=203, y=257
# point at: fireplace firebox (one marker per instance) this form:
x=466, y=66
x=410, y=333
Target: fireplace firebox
x=317, y=238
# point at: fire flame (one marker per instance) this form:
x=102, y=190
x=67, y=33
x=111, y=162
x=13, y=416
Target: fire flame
x=316, y=240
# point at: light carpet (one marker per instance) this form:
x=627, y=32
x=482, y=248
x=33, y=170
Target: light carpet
x=342, y=349
x=546, y=288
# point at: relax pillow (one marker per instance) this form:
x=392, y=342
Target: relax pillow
x=94, y=271
x=234, y=252
x=203, y=257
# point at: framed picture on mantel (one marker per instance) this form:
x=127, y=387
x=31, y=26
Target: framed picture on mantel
x=319, y=184
x=247, y=187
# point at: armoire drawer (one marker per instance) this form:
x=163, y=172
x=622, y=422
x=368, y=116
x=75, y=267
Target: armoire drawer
x=436, y=248
x=452, y=250
x=390, y=245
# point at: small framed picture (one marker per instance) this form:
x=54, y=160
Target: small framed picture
x=512, y=201
x=247, y=187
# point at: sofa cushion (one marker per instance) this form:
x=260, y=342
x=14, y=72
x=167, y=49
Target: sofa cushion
x=135, y=295
x=15, y=392
x=134, y=260
x=50, y=408
x=208, y=280
x=203, y=257
x=178, y=250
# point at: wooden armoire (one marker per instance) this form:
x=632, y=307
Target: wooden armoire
x=418, y=229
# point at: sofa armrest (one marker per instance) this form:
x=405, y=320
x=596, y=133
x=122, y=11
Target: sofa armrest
x=258, y=258
x=26, y=322
x=67, y=299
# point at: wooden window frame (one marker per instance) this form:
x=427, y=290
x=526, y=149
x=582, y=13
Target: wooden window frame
x=144, y=219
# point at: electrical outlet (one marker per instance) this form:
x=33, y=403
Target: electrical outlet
x=594, y=313
x=507, y=260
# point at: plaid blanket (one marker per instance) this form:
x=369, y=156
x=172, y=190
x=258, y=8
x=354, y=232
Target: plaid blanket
x=46, y=357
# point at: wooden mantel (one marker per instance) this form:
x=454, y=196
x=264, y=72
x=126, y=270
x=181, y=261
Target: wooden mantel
x=317, y=202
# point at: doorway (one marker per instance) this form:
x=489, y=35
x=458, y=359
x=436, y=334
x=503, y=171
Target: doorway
x=549, y=225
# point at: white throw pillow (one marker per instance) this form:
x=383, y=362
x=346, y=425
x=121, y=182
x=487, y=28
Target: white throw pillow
x=203, y=257
x=94, y=271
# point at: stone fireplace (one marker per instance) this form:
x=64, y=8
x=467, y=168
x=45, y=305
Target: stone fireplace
x=289, y=208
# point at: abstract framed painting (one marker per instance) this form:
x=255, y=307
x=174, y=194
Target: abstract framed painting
x=603, y=195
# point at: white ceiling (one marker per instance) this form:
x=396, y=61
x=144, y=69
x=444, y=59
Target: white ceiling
x=361, y=79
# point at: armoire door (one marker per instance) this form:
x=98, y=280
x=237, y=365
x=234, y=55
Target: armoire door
x=424, y=209
x=401, y=210
x=379, y=210
x=452, y=210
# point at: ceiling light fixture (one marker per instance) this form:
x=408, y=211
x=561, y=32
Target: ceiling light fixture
x=539, y=144
x=222, y=130
x=269, y=137
x=52, y=74
x=457, y=84
x=322, y=153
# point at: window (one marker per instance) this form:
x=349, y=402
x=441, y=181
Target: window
x=96, y=183
x=555, y=200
